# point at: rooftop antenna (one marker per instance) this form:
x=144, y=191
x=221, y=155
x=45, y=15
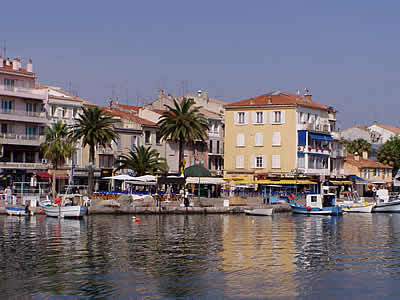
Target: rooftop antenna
x=5, y=48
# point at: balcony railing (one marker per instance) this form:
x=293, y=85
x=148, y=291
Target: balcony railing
x=18, y=139
x=102, y=150
x=21, y=165
x=23, y=92
x=323, y=172
x=23, y=116
x=315, y=127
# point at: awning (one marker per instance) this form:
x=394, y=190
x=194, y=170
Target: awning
x=205, y=180
x=43, y=174
x=285, y=181
x=377, y=181
x=317, y=154
x=61, y=176
x=356, y=177
x=340, y=182
x=321, y=137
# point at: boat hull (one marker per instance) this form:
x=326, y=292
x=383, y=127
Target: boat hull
x=330, y=210
x=17, y=211
x=392, y=206
x=66, y=211
x=359, y=209
x=259, y=212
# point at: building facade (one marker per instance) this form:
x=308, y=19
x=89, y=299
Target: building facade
x=278, y=134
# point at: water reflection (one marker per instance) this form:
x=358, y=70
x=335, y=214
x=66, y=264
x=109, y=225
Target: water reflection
x=174, y=256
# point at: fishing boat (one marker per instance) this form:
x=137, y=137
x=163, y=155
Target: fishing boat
x=317, y=204
x=353, y=204
x=67, y=206
x=18, y=211
x=384, y=203
x=259, y=211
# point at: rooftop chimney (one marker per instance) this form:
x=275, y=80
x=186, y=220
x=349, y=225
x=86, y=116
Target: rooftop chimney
x=269, y=100
x=29, y=67
x=365, y=155
x=160, y=93
x=8, y=62
x=205, y=96
x=199, y=92
x=15, y=64
x=1, y=62
x=297, y=94
x=356, y=156
x=307, y=95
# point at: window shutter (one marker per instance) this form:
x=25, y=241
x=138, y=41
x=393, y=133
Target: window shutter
x=263, y=161
x=240, y=140
x=282, y=116
x=276, y=161
x=253, y=161
x=246, y=117
x=271, y=117
x=259, y=139
x=276, y=139
x=254, y=117
x=235, y=118
x=264, y=117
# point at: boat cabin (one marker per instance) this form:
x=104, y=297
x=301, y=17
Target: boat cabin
x=320, y=201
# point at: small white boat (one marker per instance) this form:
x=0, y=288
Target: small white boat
x=389, y=206
x=69, y=206
x=353, y=204
x=259, y=211
x=18, y=211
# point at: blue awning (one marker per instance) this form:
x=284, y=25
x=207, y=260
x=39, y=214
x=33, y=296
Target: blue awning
x=300, y=154
x=321, y=137
x=356, y=177
x=318, y=154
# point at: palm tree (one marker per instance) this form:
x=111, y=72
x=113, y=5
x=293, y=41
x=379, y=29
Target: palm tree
x=143, y=160
x=358, y=145
x=183, y=124
x=57, y=147
x=95, y=127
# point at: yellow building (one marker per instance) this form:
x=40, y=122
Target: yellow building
x=278, y=133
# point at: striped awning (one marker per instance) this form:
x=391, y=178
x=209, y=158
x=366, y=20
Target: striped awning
x=341, y=182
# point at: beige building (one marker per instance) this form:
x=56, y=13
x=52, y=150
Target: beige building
x=279, y=133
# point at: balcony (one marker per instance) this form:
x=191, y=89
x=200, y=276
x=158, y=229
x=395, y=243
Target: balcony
x=338, y=172
x=323, y=172
x=21, y=92
x=214, y=134
x=338, y=154
x=314, y=127
x=102, y=150
x=24, y=140
x=23, y=116
x=20, y=165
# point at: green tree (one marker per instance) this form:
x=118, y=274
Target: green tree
x=389, y=153
x=358, y=145
x=183, y=123
x=57, y=148
x=143, y=160
x=95, y=127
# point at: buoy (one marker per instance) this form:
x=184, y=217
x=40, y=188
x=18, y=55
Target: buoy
x=137, y=220
x=252, y=221
x=291, y=197
x=390, y=215
x=308, y=208
x=40, y=211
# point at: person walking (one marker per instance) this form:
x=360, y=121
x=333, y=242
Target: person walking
x=8, y=195
x=186, y=198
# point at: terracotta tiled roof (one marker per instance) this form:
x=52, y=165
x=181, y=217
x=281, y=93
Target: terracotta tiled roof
x=393, y=129
x=129, y=116
x=209, y=114
x=129, y=107
x=159, y=111
x=364, y=163
x=278, y=98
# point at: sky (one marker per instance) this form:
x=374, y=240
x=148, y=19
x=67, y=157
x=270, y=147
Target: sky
x=345, y=52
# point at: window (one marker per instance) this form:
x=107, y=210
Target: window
x=239, y=162
x=276, y=161
x=387, y=172
x=276, y=139
x=31, y=107
x=375, y=172
x=75, y=158
x=30, y=130
x=53, y=110
x=258, y=117
x=7, y=105
x=158, y=138
x=119, y=145
x=9, y=84
x=138, y=141
x=217, y=146
x=259, y=139
x=74, y=112
x=132, y=142
x=240, y=140
x=277, y=117
x=301, y=162
x=366, y=173
x=211, y=147
x=30, y=157
x=259, y=161
x=106, y=161
x=147, y=137
x=313, y=199
x=241, y=118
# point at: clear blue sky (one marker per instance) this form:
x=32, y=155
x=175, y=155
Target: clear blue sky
x=346, y=52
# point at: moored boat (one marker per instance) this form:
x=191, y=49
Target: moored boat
x=317, y=204
x=68, y=206
x=18, y=211
x=259, y=211
x=389, y=206
x=353, y=204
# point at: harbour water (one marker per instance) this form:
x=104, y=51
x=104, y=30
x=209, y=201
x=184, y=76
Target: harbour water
x=206, y=256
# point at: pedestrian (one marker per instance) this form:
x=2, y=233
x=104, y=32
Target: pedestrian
x=8, y=194
x=186, y=198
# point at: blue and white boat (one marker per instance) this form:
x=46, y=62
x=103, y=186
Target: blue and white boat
x=317, y=204
x=18, y=211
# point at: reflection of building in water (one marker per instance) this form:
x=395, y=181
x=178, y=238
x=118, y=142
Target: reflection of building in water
x=258, y=252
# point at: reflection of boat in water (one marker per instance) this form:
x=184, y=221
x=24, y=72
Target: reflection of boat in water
x=69, y=206
x=259, y=211
x=18, y=211
x=317, y=204
x=352, y=203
